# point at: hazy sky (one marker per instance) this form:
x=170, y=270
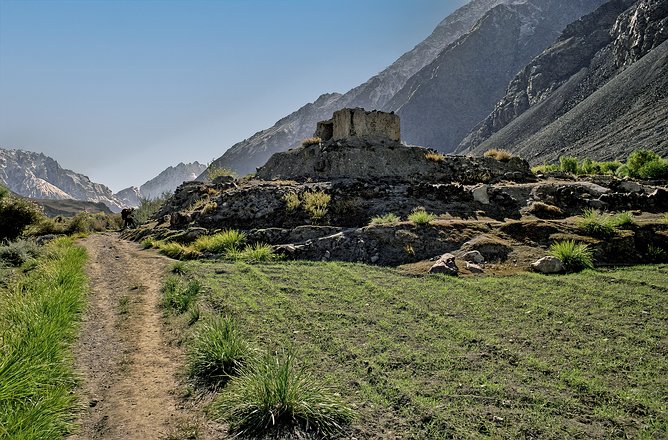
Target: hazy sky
x=119, y=90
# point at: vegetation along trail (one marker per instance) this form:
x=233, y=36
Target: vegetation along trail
x=129, y=369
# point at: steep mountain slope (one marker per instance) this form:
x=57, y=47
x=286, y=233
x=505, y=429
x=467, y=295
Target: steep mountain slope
x=599, y=91
x=245, y=156
x=442, y=103
x=38, y=176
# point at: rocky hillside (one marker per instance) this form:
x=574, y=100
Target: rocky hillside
x=599, y=91
x=245, y=156
x=165, y=182
x=38, y=176
x=445, y=100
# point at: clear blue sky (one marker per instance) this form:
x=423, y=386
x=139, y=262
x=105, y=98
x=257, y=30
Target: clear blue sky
x=119, y=90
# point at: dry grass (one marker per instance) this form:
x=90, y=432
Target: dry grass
x=434, y=157
x=500, y=155
x=311, y=141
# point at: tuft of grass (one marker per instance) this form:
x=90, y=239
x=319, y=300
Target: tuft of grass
x=623, y=219
x=276, y=398
x=498, y=154
x=574, y=256
x=174, y=250
x=221, y=242
x=434, y=156
x=316, y=203
x=420, y=216
x=214, y=171
x=656, y=254
x=385, y=219
x=38, y=321
x=292, y=201
x=217, y=352
x=596, y=224
x=258, y=253
x=179, y=296
x=311, y=141
x=194, y=314
x=178, y=268
x=149, y=243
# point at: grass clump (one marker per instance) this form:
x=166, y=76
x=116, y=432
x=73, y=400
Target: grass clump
x=386, y=219
x=311, y=141
x=498, y=154
x=316, y=203
x=574, y=256
x=434, y=156
x=179, y=296
x=656, y=254
x=217, y=352
x=215, y=171
x=596, y=224
x=38, y=321
x=174, y=250
x=221, y=242
x=257, y=253
x=149, y=243
x=623, y=220
x=292, y=201
x=275, y=398
x=420, y=216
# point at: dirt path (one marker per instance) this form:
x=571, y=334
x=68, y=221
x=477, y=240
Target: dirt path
x=129, y=371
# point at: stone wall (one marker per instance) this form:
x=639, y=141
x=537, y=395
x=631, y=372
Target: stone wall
x=359, y=123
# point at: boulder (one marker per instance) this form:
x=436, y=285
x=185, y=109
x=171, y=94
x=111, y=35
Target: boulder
x=474, y=268
x=445, y=265
x=473, y=257
x=548, y=265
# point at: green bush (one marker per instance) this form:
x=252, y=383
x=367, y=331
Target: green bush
x=544, y=168
x=656, y=169
x=274, y=398
x=221, y=242
x=568, y=164
x=214, y=171
x=420, y=216
x=16, y=215
x=316, y=203
x=149, y=207
x=17, y=252
x=178, y=296
x=574, y=256
x=217, y=352
x=623, y=219
x=640, y=158
x=596, y=224
x=385, y=219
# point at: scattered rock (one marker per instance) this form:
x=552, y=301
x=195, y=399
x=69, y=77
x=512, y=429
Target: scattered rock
x=548, y=265
x=473, y=257
x=474, y=268
x=445, y=265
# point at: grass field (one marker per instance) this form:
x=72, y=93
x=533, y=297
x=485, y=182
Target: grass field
x=582, y=355
x=38, y=320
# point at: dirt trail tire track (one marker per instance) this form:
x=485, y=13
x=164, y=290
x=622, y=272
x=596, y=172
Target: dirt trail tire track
x=129, y=370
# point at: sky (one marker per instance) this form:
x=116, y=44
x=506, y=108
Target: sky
x=120, y=90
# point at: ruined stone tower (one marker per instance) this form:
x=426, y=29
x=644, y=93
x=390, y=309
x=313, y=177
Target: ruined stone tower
x=358, y=123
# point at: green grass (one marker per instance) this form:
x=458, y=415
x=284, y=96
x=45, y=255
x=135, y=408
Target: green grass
x=420, y=216
x=255, y=253
x=38, y=321
x=596, y=224
x=385, y=219
x=574, y=256
x=316, y=203
x=274, y=397
x=221, y=242
x=217, y=352
x=178, y=295
x=569, y=356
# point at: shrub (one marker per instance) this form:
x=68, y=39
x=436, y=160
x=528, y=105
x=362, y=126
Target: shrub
x=574, y=256
x=500, y=155
x=609, y=167
x=214, y=171
x=217, y=353
x=568, y=164
x=545, y=210
x=258, y=253
x=656, y=169
x=178, y=297
x=640, y=158
x=16, y=215
x=17, y=252
x=149, y=207
x=316, y=203
x=623, y=219
x=275, y=398
x=596, y=224
x=544, y=168
x=292, y=201
x=221, y=242
x=420, y=216
x=434, y=156
x=385, y=219
x=174, y=250
x=311, y=141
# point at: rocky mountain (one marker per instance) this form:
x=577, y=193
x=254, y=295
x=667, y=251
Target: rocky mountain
x=599, y=91
x=38, y=176
x=245, y=156
x=441, y=103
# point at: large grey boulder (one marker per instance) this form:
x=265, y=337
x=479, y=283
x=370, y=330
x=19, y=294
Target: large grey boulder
x=548, y=265
x=445, y=265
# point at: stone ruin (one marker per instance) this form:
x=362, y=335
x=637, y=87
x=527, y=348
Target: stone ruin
x=350, y=123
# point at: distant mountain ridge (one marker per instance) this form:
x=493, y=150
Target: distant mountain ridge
x=414, y=85
x=38, y=176
x=601, y=90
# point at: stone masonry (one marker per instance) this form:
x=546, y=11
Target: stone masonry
x=358, y=123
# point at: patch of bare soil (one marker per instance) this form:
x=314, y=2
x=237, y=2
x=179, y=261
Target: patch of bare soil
x=129, y=369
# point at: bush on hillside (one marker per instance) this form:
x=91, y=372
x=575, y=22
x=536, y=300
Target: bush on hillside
x=15, y=253
x=149, y=207
x=16, y=215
